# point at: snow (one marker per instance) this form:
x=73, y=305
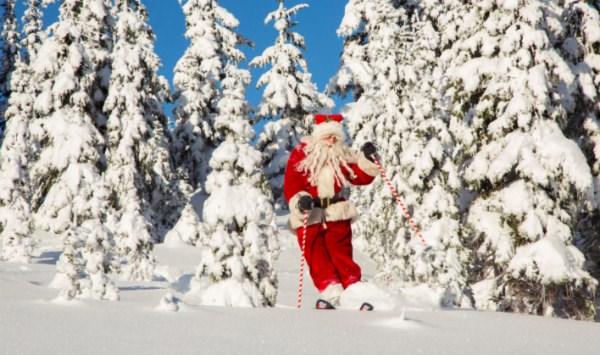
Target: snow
x=554, y=262
x=161, y=317
x=219, y=203
x=510, y=4
x=592, y=32
x=354, y=296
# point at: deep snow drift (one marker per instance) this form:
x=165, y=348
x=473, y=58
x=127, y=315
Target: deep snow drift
x=144, y=321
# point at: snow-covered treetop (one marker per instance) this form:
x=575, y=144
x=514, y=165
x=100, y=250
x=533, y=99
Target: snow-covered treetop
x=33, y=25
x=353, y=18
x=287, y=42
x=283, y=24
x=213, y=44
x=223, y=23
x=197, y=76
x=289, y=91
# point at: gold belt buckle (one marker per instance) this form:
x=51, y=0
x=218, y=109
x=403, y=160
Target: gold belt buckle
x=325, y=202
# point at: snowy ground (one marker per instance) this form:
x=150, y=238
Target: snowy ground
x=31, y=322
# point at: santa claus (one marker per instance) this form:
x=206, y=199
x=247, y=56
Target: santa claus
x=316, y=172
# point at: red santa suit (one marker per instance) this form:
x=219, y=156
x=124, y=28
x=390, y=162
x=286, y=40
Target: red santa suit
x=328, y=244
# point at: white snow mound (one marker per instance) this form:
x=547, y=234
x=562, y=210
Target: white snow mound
x=355, y=295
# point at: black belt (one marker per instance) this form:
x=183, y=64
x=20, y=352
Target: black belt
x=327, y=201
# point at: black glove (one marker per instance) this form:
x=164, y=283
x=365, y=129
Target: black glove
x=369, y=150
x=305, y=203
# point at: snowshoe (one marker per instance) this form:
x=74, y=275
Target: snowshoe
x=323, y=304
x=366, y=307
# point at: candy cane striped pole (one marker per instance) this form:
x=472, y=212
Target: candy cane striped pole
x=302, y=259
x=410, y=219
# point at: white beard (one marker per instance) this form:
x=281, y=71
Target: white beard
x=324, y=165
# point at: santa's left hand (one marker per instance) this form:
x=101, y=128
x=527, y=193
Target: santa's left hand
x=370, y=151
x=306, y=203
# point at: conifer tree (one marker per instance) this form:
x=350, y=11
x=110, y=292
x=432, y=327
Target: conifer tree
x=15, y=156
x=16, y=153
x=389, y=65
x=139, y=172
x=67, y=157
x=9, y=42
x=237, y=268
x=511, y=93
x=210, y=29
x=87, y=258
x=289, y=99
x=69, y=160
x=188, y=229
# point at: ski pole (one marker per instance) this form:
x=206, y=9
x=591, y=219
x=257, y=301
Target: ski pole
x=410, y=219
x=302, y=259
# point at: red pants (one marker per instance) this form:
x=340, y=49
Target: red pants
x=328, y=253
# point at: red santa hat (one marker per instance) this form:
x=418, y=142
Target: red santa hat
x=328, y=125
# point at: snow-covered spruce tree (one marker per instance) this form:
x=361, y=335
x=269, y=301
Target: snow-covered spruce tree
x=210, y=29
x=16, y=152
x=237, y=268
x=581, y=48
x=69, y=147
x=87, y=257
x=289, y=99
x=15, y=191
x=69, y=156
x=9, y=47
x=389, y=64
x=139, y=172
x=511, y=93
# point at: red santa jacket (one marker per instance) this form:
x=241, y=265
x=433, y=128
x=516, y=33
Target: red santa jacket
x=296, y=184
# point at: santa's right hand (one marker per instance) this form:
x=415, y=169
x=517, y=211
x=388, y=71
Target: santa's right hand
x=306, y=203
x=370, y=152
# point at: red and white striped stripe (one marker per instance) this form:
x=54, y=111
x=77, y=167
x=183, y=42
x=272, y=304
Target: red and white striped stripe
x=302, y=260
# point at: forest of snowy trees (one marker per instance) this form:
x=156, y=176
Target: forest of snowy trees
x=486, y=116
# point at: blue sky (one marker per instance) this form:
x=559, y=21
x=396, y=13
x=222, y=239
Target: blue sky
x=318, y=24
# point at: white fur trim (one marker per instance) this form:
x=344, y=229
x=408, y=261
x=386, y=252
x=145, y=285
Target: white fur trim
x=339, y=211
x=326, y=182
x=315, y=216
x=329, y=128
x=367, y=166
